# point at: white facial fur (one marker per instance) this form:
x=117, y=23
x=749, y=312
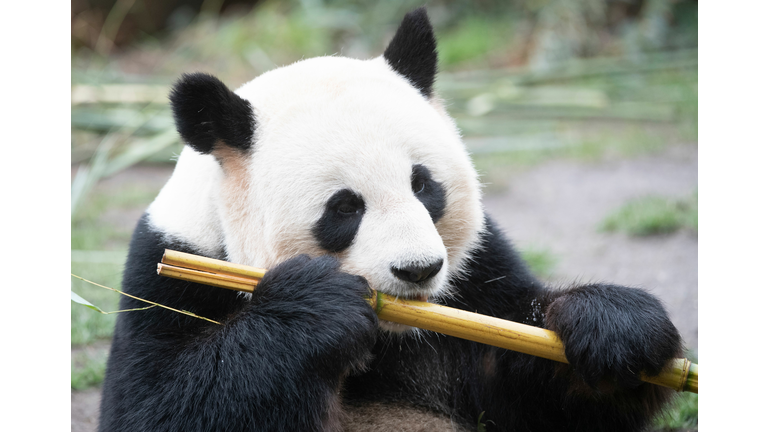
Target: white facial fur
x=327, y=124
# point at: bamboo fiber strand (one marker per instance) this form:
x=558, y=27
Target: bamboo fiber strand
x=181, y=259
x=680, y=374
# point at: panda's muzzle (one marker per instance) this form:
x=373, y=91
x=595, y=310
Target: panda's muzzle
x=417, y=273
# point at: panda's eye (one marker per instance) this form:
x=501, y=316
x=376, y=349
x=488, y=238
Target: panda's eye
x=348, y=209
x=418, y=185
x=346, y=203
x=337, y=227
x=428, y=191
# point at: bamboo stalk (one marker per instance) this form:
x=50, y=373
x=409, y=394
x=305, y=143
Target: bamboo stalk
x=220, y=280
x=468, y=325
x=680, y=374
x=181, y=259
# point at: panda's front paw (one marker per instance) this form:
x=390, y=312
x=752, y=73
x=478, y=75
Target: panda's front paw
x=324, y=310
x=611, y=334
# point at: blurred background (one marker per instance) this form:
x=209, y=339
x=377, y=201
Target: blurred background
x=581, y=116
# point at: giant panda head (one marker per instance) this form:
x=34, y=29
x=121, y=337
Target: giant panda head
x=329, y=155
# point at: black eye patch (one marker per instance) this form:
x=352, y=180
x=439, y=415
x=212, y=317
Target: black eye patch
x=428, y=191
x=337, y=227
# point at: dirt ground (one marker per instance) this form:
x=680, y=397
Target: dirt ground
x=556, y=206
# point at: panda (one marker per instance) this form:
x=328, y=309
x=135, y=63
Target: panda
x=342, y=176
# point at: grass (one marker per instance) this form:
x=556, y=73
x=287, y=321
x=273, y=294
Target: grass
x=682, y=414
x=88, y=367
x=99, y=241
x=541, y=261
x=86, y=325
x=653, y=215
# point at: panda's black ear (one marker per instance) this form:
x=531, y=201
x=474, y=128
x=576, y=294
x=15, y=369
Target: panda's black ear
x=207, y=112
x=413, y=51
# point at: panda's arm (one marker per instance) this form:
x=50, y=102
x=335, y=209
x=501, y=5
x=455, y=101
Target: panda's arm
x=274, y=363
x=498, y=282
x=606, y=329
x=610, y=333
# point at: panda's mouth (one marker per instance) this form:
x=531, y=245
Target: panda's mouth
x=421, y=292
x=410, y=296
x=414, y=293
x=423, y=297
x=397, y=328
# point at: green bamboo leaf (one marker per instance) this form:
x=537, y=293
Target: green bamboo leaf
x=152, y=304
x=77, y=299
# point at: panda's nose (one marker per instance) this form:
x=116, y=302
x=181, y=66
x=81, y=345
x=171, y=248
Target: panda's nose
x=417, y=273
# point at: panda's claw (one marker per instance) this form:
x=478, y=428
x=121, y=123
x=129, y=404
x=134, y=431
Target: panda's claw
x=611, y=334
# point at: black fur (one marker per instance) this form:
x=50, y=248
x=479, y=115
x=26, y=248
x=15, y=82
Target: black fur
x=266, y=368
x=428, y=191
x=206, y=112
x=639, y=340
x=337, y=227
x=413, y=51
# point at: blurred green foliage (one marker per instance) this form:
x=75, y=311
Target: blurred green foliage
x=682, y=414
x=88, y=326
x=99, y=243
x=652, y=215
x=537, y=33
x=475, y=41
x=541, y=261
x=88, y=367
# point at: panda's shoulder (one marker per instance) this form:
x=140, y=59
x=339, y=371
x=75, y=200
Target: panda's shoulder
x=495, y=273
